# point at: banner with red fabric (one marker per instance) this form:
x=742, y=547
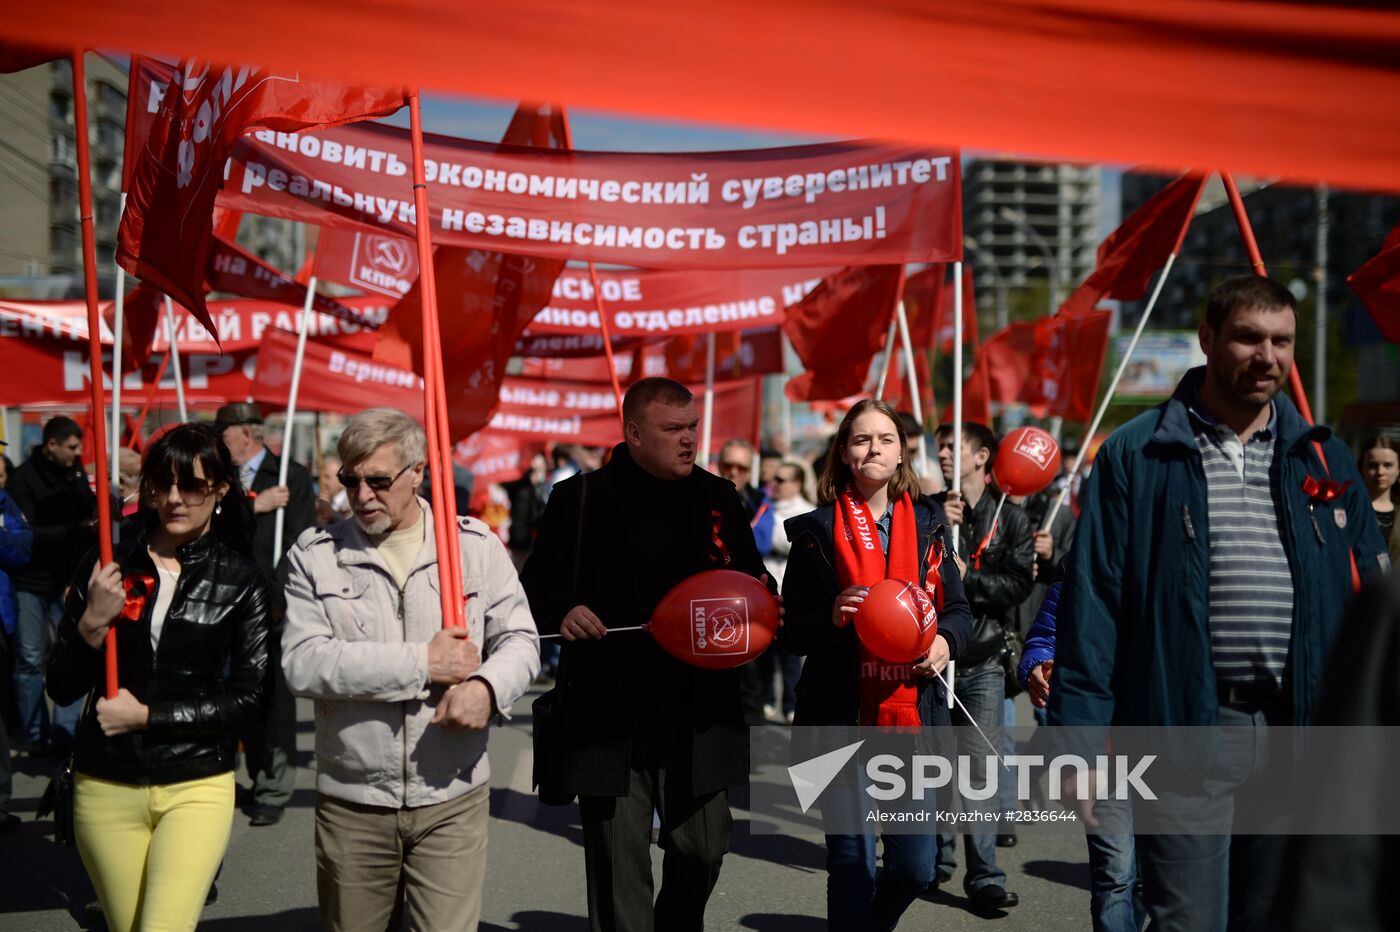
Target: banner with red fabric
x=493, y=457
x=333, y=378
x=652, y=304
x=164, y=236
x=241, y=324
x=844, y=203
x=746, y=354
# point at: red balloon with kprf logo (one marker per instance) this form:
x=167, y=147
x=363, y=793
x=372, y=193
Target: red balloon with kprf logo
x=717, y=619
x=1028, y=460
x=897, y=621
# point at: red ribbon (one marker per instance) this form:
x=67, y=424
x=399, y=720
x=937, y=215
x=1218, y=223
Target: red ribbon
x=1322, y=491
x=138, y=589
x=716, y=525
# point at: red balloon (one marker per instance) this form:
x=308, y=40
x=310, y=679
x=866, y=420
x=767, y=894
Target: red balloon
x=1028, y=460
x=897, y=621
x=717, y=619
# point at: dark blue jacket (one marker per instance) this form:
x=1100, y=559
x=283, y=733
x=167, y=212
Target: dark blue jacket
x=1040, y=642
x=1134, y=639
x=16, y=544
x=828, y=692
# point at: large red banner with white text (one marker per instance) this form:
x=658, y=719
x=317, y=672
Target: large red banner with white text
x=846, y=203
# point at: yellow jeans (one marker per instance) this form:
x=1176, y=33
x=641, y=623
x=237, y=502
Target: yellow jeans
x=152, y=851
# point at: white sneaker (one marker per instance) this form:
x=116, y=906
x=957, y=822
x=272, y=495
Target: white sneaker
x=770, y=712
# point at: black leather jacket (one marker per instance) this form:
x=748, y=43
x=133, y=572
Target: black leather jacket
x=208, y=679
x=1001, y=584
x=828, y=693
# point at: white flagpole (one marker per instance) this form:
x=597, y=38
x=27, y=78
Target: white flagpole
x=917, y=403
x=785, y=402
x=885, y=360
x=708, y=420
x=117, y=325
x=957, y=415
x=286, y=457
x=1108, y=395
x=175, y=358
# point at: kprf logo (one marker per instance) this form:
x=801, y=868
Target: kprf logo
x=719, y=626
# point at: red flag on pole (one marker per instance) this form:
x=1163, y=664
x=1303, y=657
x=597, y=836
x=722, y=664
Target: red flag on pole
x=838, y=328
x=486, y=300
x=1052, y=364
x=165, y=234
x=1139, y=247
x=141, y=314
x=1377, y=284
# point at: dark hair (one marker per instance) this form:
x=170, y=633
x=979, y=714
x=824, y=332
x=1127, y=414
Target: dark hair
x=836, y=474
x=912, y=428
x=172, y=458
x=978, y=436
x=1246, y=291
x=60, y=429
x=654, y=390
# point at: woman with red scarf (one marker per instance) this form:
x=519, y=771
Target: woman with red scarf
x=872, y=523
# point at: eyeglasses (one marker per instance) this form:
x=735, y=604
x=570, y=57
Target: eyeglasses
x=192, y=494
x=376, y=483
x=733, y=467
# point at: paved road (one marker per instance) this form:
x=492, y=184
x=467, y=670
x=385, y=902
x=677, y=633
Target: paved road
x=534, y=878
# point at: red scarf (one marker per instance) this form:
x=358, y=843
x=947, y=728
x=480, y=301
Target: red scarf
x=889, y=692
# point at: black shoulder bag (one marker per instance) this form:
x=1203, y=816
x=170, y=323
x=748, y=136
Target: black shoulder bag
x=58, y=795
x=549, y=710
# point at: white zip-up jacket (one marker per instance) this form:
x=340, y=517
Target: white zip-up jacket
x=358, y=645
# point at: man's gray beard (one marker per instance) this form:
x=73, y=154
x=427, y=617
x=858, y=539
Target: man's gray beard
x=379, y=518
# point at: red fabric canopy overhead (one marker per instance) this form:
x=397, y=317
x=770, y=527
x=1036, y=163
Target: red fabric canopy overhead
x=1310, y=90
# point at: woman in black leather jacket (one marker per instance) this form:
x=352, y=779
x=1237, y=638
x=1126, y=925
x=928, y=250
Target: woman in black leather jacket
x=153, y=802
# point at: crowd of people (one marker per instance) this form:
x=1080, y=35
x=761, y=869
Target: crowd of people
x=1202, y=577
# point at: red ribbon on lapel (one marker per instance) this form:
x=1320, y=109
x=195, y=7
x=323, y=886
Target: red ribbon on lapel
x=1322, y=491
x=138, y=589
x=716, y=525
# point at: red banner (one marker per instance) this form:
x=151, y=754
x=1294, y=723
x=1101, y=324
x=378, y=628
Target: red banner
x=848, y=203
x=757, y=352
x=149, y=77
x=493, y=457
x=650, y=304
x=373, y=262
x=164, y=237
x=332, y=379
x=736, y=407
x=241, y=324
x=55, y=371
x=1052, y=364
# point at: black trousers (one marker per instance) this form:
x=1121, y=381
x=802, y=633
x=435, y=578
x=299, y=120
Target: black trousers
x=617, y=854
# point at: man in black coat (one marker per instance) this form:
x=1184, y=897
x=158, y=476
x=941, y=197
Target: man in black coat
x=644, y=731
x=270, y=750
x=51, y=489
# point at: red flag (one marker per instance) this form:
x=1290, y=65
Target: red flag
x=141, y=314
x=234, y=270
x=378, y=263
x=838, y=328
x=1139, y=247
x=149, y=77
x=485, y=301
x=1377, y=284
x=977, y=404
x=1052, y=364
x=165, y=233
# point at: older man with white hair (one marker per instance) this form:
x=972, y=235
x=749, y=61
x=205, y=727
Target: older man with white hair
x=402, y=703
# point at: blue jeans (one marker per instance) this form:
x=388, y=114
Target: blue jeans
x=36, y=624
x=858, y=899
x=1006, y=787
x=1210, y=883
x=983, y=693
x=1115, y=897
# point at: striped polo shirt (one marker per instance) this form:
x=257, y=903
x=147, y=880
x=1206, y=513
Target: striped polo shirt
x=1251, y=586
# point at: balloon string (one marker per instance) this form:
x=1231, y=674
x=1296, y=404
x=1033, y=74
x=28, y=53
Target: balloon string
x=610, y=631
x=995, y=751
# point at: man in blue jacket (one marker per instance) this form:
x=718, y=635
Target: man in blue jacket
x=1213, y=565
x=16, y=545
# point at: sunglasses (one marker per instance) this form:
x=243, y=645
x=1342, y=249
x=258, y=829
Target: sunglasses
x=192, y=494
x=376, y=483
